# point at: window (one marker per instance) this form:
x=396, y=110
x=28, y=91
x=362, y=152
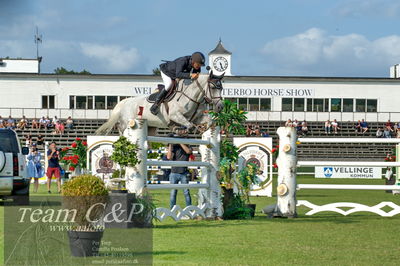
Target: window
x=309, y=105
x=80, y=102
x=71, y=102
x=254, y=104
x=287, y=104
x=348, y=105
x=299, y=104
x=100, y=102
x=90, y=102
x=372, y=106
x=318, y=105
x=336, y=105
x=326, y=105
x=360, y=105
x=112, y=101
x=265, y=104
x=123, y=97
x=243, y=104
x=48, y=102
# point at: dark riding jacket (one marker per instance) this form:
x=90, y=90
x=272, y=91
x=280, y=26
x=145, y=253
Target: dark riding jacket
x=179, y=68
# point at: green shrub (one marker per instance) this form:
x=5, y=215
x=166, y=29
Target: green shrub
x=81, y=193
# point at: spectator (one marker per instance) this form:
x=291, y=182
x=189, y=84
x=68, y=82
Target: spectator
x=357, y=127
x=295, y=123
x=264, y=134
x=379, y=133
x=2, y=121
x=55, y=120
x=40, y=140
x=396, y=126
x=289, y=123
x=328, y=127
x=70, y=123
x=59, y=128
x=398, y=133
x=42, y=122
x=256, y=130
x=53, y=168
x=10, y=122
x=28, y=140
x=34, y=167
x=387, y=133
x=389, y=125
x=48, y=123
x=304, y=128
x=22, y=124
x=35, y=124
x=179, y=152
x=248, y=130
x=335, y=126
x=364, y=126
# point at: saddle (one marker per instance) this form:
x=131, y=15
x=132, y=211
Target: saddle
x=170, y=95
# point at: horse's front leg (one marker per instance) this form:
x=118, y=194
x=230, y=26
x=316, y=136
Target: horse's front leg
x=180, y=119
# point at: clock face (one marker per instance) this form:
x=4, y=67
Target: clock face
x=220, y=64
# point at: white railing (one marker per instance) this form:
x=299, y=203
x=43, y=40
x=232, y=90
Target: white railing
x=210, y=205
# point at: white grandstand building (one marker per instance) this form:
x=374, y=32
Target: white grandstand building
x=23, y=91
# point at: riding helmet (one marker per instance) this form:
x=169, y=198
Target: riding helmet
x=199, y=57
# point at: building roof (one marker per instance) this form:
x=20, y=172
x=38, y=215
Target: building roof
x=220, y=49
x=152, y=77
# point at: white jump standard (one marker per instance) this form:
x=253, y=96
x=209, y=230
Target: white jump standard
x=287, y=185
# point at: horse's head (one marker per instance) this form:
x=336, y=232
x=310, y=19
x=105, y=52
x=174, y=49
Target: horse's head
x=215, y=90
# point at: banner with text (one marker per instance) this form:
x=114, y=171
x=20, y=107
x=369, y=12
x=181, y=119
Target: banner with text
x=348, y=172
x=267, y=92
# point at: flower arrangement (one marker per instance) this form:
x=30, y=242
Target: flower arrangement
x=77, y=158
x=275, y=154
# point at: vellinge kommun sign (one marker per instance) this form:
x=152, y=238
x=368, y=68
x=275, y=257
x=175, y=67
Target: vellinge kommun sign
x=348, y=172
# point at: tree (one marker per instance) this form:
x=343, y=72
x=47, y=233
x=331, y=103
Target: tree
x=64, y=71
x=156, y=71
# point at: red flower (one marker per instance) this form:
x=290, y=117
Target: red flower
x=74, y=145
x=277, y=146
x=71, y=168
x=273, y=150
x=78, y=139
x=65, y=158
x=74, y=161
x=76, y=156
x=65, y=149
x=84, y=143
x=275, y=165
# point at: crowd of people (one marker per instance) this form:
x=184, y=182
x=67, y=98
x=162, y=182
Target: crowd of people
x=301, y=127
x=389, y=130
x=254, y=130
x=57, y=125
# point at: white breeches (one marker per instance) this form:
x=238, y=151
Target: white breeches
x=166, y=80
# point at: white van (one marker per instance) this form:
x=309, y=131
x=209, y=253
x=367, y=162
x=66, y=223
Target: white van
x=14, y=182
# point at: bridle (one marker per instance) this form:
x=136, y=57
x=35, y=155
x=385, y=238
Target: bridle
x=204, y=99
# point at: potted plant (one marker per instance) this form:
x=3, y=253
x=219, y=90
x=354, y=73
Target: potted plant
x=144, y=216
x=230, y=120
x=76, y=161
x=246, y=178
x=82, y=195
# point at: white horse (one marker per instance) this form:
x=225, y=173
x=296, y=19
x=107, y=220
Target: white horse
x=187, y=108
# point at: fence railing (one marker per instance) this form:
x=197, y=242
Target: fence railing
x=18, y=112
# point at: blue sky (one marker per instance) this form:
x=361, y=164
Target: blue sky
x=290, y=37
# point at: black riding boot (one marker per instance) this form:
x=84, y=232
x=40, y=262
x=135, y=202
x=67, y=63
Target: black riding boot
x=160, y=97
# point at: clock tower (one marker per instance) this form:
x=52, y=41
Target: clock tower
x=220, y=60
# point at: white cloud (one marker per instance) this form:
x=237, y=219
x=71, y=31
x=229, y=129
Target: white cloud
x=113, y=58
x=316, y=52
x=373, y=8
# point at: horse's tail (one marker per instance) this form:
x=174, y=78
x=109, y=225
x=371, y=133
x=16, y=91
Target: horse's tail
x=106, y=128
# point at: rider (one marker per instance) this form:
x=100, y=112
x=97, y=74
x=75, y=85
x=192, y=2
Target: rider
x=185, y=67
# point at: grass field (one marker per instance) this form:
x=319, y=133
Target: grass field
x=322, y=239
